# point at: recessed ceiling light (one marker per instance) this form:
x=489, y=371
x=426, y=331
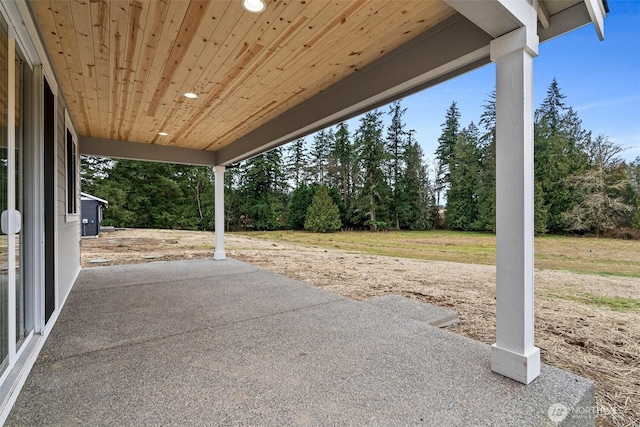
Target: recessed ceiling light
x=254, y=6
x=163, y=133
x=190, y=95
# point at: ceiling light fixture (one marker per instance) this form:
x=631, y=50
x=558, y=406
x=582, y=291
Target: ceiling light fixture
x=163, y=133
x=254, y=6
x=190, y=95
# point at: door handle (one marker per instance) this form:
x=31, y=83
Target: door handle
x=16, y=223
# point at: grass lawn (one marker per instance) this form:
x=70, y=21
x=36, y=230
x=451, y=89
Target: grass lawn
x=576, y=254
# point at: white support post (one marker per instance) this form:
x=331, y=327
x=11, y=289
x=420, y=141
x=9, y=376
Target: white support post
x=219, y=253
x=514, y=354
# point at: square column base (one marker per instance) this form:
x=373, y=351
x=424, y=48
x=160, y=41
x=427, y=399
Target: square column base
x=219, y=255
x=523, y=368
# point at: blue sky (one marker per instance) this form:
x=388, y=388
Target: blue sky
x=601, y=81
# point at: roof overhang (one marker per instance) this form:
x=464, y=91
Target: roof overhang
x=454, y=45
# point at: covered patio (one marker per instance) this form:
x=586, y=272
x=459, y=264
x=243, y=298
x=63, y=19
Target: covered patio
x=225, y=343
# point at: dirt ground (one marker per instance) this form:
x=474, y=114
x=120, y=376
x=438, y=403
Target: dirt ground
x=573, y=334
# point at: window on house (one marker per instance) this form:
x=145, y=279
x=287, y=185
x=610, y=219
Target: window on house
x=72, y=161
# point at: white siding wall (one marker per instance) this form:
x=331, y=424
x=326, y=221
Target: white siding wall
x=68, y=232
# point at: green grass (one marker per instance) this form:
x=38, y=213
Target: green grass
x=611, y=303
x=584, y=255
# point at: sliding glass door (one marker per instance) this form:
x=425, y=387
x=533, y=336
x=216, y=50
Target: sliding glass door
x=4, y=199
x=17, y=298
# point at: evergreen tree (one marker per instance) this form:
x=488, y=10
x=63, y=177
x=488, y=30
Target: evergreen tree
x=374, y=192
x=559, y=154
x=446, y=142
x=323, y=214
x=396, y=145
x=319, y=155
x=299, y=202
x=297, y=163
x=344, y=160
x=418, y=210
x=263, y=190
x=486, y=186
x=462, y=197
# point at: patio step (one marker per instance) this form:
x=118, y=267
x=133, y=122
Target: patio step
x=416, y=310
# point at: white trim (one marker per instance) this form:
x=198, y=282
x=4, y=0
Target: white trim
x=219, y=253
x=597, y=15
x=11, y=196
x=30, y=360
x=33, y=35
x=38, y=194
x=71, y=216
x=87, y=196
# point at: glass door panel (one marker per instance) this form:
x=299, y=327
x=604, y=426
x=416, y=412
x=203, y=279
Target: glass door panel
x=4, y=162
x=24, y=79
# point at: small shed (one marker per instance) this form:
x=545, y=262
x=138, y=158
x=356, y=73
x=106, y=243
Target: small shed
x=92, y=208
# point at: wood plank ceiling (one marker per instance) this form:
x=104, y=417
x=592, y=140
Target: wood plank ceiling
x=124, y=66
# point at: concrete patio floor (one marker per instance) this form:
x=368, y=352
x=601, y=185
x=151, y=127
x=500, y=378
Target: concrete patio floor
x=225, y=343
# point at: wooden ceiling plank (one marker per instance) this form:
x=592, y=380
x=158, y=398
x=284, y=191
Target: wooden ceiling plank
x=192, y=66
x=364, y=43
x=352, y=19
x=118, y=18
x=155, y=55
x=228, y=39
x=67, y=35
x=137, y=21
x=155, y=17
x=178, y=49
x=300, y=71
x=269, y=38
x=102, y=70
x=216, y=96
x=80, y=17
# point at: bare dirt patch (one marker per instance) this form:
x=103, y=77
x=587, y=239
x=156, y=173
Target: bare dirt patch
x=577, y=328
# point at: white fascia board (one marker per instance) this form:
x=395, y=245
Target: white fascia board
x=497, y=17
x=87, y=196
x=597, y=14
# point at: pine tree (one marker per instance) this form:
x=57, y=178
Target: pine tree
x=559, y=143
x=319, y=156
x=323, y=214
x=344, y=159
x=487, y=180
x=462, y=197
x=299, y=202
x=374, y=192
x=417, y=210
x=297, y=163
x=396, y=145
x=263, y=191
x=446, y=142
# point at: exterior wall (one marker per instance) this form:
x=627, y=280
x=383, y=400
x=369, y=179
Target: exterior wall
x=89, y=213
x=69, y=232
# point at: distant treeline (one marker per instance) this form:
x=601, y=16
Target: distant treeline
x=377, y=178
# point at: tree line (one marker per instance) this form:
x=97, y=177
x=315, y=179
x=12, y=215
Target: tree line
x=377, y=178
